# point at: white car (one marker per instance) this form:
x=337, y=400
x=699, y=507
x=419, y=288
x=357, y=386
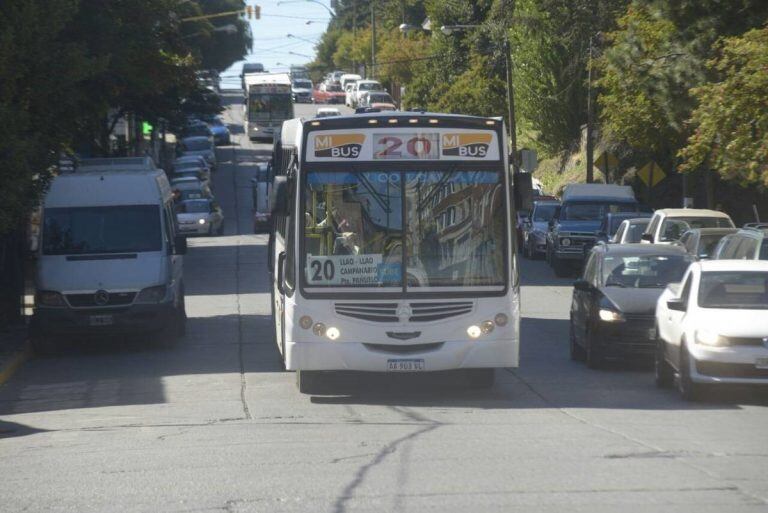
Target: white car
x=669, y=224
x=363, y=86
x=324, y=112
x=712, y=328
x=199, y=217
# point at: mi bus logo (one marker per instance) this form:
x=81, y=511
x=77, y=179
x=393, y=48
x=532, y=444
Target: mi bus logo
x=339, y=146
x=466, y=145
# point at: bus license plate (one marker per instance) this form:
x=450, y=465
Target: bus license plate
x=761, y=363
x=101, y=320
x=405, y=365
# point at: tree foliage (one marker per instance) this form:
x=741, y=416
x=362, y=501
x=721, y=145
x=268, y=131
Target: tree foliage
x=731, y=120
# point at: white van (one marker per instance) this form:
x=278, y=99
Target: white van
x=348, y=78
x=109, y=260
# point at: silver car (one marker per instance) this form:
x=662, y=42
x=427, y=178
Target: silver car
x=198, y=146
x=199, y=217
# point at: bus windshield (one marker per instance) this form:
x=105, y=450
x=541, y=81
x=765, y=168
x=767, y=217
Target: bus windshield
x=263, y=107
x=447, y=226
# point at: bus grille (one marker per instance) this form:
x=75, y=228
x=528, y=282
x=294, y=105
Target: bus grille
x=388, y=312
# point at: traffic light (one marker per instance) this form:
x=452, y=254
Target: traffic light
x=257, y=10
x=249, y=11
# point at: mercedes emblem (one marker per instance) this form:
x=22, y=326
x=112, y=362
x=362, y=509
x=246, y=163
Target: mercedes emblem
x=101, y=297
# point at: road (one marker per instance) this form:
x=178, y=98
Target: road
x=214, y=424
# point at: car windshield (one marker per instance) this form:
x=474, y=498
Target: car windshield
x=643, y=271
x=543, y=213
x=454, y=230
x=734, y=289
x=635, y=231
x=194, y=207
x=98, y=230
x=196, y=144
x=379, y=98
x=369, y=86
x=302, y=84
x=674, y=227
x=707, y=245
x=592, y=211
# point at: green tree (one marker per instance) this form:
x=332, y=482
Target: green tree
x=730, y=123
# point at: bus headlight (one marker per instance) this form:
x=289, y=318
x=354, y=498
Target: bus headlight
x=474, y=331
x=501, y=319
x=305, y=322
x=333, y=333
x=486, y=327
x=318, y=329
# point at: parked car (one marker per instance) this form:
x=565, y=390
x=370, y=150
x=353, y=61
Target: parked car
x=613, y=305
x=195, y=173
x=197, y=128
x=611, y=222
x=630, y=231
x=190, y=188
x=198, y=146
x=199, y=217
x=107, y=262
x=325, y=112
x=701, y=242
x=713, y=327
x=745, y=244
x=534, y=229
x=573, y=229
x=377, y=100
x=329, y=93
x=669, y=224
x=301, y=90
x=191, y=160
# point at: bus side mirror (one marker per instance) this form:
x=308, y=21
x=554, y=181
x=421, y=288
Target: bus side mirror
x=522, y=184
x=180, y=245
x=278, y=196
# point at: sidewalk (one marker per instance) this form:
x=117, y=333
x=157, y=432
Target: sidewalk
x=14, y=350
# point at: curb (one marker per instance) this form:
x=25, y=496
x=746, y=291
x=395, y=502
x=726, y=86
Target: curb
x=15, y=361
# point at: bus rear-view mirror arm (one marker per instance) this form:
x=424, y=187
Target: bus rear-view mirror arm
x=278, y=196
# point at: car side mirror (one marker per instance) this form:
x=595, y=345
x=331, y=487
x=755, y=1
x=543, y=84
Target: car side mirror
x=180, y=245
x=582, y=285
x=523, y=191
x=278, y=196
x=676, y=304
x=648, y=237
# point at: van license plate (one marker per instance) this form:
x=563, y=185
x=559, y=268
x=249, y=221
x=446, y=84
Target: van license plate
x=101, y=320
x=405, y=365
x=761, y=363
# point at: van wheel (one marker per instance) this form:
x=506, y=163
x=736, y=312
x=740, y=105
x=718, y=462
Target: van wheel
x=481, y=378
x=663, y=374
x=307, y=381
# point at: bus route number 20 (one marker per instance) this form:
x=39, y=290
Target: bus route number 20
x=416, y=147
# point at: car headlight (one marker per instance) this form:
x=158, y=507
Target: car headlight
x=709, y=338
x=50, y=298
x=152, y=294
x=565, y=241
x=201, y=221
x=608, y=315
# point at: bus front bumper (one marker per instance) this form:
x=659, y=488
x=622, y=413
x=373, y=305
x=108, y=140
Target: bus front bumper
x=373, y=357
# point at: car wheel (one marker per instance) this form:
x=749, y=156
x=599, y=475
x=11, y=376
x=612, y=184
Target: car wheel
x=594, y=355
x=664, y=376
x=307, y=381
x=480, y=378
x=689, y=390
x=577, y=352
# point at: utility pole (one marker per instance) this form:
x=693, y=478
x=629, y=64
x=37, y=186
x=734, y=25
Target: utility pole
x=354, y=35
x=510, y=92
x=590, y=136
x=373, y=39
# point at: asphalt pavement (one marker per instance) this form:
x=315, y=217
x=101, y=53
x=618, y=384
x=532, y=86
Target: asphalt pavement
x=215, y=424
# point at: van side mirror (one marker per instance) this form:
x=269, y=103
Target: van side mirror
x=522, y=184
x=278, y=196
x=648, y=237
x=676, y=304
x=180, y=245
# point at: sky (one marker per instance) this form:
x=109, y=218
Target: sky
x=271, y=44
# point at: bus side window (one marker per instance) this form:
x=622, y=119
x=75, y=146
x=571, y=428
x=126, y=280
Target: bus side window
x=289, y=234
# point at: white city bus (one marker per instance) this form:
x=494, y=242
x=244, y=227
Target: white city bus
x=392, y=248
x=268, y=103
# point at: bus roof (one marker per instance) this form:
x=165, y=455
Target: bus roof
x=363, y=120
x=267, y=78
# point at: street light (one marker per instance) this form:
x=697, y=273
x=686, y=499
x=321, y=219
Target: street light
x=302, y=55
x=300, y=38
x=330, y=11
x=452, y=29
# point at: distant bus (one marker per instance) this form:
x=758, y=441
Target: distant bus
x=249, y=68
x=268, y=103
x=392, y=248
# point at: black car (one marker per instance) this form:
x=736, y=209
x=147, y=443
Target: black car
x=614, y=303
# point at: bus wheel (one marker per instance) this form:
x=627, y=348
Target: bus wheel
x=306, y=381
x=481, y=378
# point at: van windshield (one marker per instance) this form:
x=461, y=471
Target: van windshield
x=101, y=230
x=592, y=211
